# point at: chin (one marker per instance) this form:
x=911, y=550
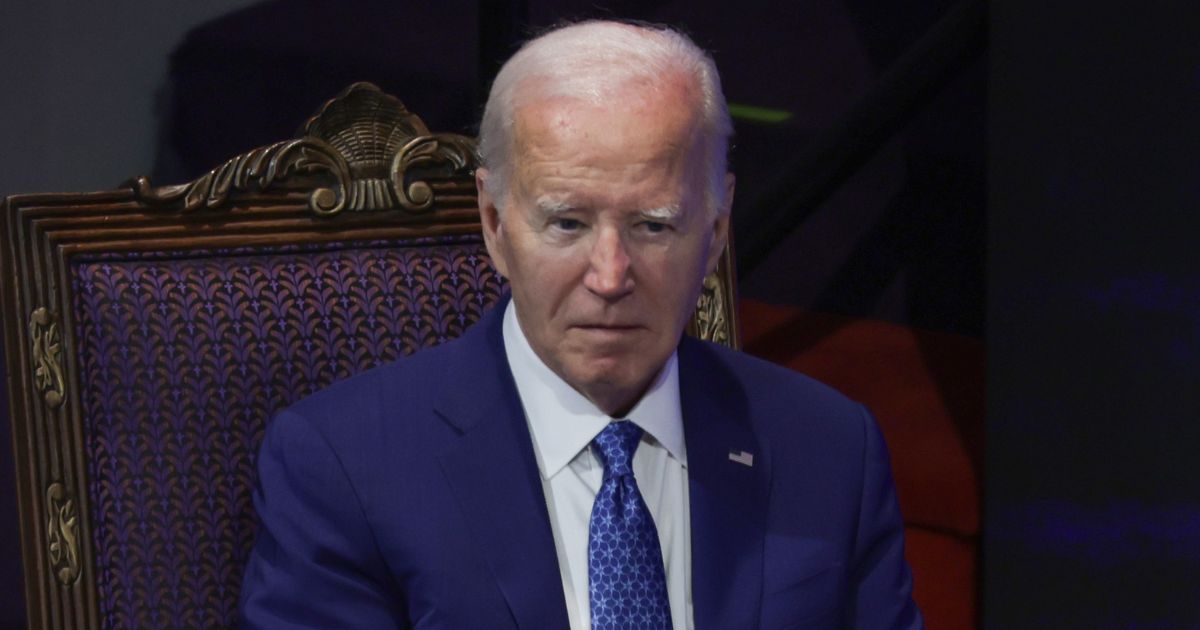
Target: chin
x=605, y=377
x=621, y=377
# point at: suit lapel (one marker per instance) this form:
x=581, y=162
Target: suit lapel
x=494, y=476
x=728, y=499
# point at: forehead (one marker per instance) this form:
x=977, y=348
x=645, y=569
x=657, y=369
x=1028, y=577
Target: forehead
x=643, y=137
x=637, y=111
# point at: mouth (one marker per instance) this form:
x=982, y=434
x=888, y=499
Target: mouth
x=607, y=329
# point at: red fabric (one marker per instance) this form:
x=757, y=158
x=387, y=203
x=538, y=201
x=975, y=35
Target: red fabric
x=926, y=389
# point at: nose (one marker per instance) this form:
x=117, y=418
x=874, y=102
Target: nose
x=608, y=272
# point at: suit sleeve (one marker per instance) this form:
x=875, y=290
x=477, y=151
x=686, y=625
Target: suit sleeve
x=315, y=563
x=881, y=579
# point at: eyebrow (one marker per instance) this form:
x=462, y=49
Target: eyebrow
x=549, y=206
x=662, y=213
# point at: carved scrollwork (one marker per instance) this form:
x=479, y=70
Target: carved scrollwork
x=47, y=357
x=62, y=532
x=711, y=323
x=376, y=151
x=259, y=168
x=450, y=152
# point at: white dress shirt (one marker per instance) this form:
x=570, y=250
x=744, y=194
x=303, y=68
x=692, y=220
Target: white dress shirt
x=563, y=423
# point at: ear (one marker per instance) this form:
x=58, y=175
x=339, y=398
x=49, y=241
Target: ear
x=720, y=234
x=493, y=226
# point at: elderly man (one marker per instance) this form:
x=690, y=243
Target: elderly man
x=588, y=468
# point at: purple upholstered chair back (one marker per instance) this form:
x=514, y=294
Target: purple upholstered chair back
x=184, y=358
x=152, y=332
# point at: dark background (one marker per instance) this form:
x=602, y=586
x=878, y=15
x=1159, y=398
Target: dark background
x=1074, y=125
x=1093, y=488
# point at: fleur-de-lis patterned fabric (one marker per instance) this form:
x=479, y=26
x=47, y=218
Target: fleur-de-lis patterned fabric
x=184, y=357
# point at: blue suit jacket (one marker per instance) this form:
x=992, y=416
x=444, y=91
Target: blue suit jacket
x=409, y=496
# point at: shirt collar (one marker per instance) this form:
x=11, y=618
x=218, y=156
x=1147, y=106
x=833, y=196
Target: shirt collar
x=563, y=422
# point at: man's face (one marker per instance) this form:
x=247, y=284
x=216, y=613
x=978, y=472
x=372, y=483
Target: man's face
x=605, y=237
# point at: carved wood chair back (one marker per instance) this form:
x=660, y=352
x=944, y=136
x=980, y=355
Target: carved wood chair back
x=151, y=332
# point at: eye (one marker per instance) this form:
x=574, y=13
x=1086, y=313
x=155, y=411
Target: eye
x=654, y=227
x=567, y=224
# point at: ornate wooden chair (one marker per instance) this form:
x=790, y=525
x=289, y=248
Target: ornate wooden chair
x=151, y=333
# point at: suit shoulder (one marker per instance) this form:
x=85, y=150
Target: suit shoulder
x=783, y=406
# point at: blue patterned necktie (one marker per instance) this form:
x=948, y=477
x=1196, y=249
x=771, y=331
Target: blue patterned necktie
x=627, y=584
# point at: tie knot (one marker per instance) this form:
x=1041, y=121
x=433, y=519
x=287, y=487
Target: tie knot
x=616, y=445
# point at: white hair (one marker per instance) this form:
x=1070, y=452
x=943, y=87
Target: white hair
x=590, y=61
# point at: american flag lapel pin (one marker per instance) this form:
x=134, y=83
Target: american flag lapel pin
x=742, y=457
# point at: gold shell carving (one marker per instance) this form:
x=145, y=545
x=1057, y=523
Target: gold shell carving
x=711, y=324
x=62, y=531
x=366, y=127
x=47, y=357
x=376, y=151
